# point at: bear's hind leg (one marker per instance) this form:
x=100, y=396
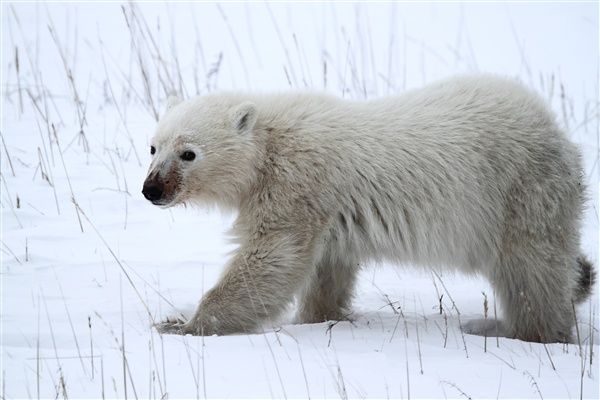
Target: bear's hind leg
x=535, y=294
x=329, y=290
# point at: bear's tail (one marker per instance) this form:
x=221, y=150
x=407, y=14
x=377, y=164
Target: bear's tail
x=585, y=280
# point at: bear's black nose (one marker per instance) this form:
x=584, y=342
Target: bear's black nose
x=152, y=191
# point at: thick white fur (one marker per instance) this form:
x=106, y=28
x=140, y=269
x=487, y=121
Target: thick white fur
x=470, y=173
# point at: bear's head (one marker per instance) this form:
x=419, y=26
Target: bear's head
x=204, y=151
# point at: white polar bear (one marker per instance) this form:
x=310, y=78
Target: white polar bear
x=471, y=173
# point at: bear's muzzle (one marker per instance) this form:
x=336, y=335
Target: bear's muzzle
x=153, y=190
x=162, y=186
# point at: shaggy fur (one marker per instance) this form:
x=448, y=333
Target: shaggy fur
x=471, y=173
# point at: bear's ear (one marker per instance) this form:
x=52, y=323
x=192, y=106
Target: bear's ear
x=244, y=117
x=172, y=101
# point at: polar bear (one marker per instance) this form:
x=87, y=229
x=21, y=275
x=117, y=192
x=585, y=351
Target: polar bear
x=471, y=173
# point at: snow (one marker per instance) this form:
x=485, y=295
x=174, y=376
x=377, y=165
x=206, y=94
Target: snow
x=83, y=280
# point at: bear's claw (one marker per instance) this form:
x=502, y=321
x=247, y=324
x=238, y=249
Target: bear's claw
x=171, y=326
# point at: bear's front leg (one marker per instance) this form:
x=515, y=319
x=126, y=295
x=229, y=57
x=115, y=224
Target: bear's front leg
x=256, y=287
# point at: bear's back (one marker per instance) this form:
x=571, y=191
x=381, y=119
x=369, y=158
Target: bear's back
x=450, y=152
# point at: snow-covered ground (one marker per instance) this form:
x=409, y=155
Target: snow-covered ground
x=88, y=263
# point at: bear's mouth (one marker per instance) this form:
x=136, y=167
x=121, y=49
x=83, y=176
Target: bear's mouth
x=165, y=203
x=161, y=203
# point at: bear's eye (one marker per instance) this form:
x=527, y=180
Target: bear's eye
x=152, y=150
x=188, y=155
